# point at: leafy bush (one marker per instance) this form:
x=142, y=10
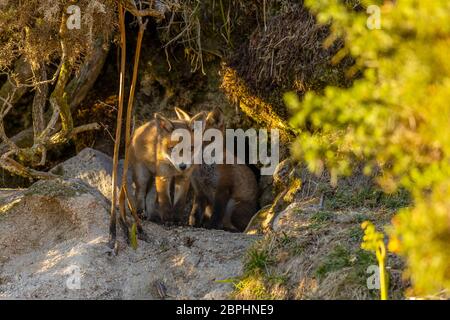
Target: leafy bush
x=394, y=117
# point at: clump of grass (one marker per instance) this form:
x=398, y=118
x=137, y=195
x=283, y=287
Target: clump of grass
x=355, y=234
x=320, y=219
x=339, y=258
x=291, y=37
x=285, y=239
x=252, y=287
x=397, y=200
x=260, y=279
x=361, y=217
x=257, y=260
x=342, y=257
x=362, y=261
x=367, y=196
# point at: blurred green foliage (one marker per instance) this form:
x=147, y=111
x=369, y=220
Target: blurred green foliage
x=395, y=117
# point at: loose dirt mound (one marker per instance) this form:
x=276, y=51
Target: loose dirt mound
x=53, y=245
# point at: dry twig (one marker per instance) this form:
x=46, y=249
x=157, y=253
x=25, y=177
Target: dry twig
x=131, y=6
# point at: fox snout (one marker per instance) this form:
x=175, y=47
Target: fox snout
x=180, y=166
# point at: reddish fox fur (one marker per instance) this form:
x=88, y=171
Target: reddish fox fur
x=150, y=158
x=228, y=192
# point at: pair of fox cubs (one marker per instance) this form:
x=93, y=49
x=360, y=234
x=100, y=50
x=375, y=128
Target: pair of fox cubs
x=225, y=195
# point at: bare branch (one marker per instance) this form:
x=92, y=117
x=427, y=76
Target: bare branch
x=130, y=5
x=84, y=128
x=39, y=101
x=7, y=106
x=14, y=167
x=55, y=127
x=38, y=83
x=22, y=71
x=76, y=91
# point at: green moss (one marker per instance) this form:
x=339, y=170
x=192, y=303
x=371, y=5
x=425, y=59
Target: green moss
x=58, y=170
x=57, y=188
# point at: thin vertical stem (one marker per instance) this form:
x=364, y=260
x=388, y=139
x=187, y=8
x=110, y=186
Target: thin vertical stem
x=124, y=190
x=264, y=16
x=112, y=229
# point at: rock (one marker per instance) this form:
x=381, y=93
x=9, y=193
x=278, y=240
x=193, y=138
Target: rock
x=282, y=173
x=293, y=217
x=288, y=218
x=255, y=226
x=93, y=167
x=53, y=246
x=266, y=189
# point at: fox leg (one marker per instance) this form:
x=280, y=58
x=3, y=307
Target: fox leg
x=198, y=211
x=242, y=213
x=207, y=214
x=151, y=203
x=229, y=210
x=163, y=195
x=181, y=189
x=141, y=179
x=221, y=199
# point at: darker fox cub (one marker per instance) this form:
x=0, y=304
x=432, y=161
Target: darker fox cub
x=150, y=155
x=228, y=192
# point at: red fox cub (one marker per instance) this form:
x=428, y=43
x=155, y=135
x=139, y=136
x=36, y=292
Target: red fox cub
x=228, y=191
x=150, y=155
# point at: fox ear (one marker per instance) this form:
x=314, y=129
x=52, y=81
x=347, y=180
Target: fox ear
x=182, y=115
x=215, y=118
x=198, y=117
x=163, y=123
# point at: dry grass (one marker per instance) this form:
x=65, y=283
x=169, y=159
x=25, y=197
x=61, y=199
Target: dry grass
x=287, y=53
x=30, y=28
x=314, y=251
x=204, y=28
x=313, y=255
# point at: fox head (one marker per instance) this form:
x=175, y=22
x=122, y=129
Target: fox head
x=213, y=121
x=172, y=154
